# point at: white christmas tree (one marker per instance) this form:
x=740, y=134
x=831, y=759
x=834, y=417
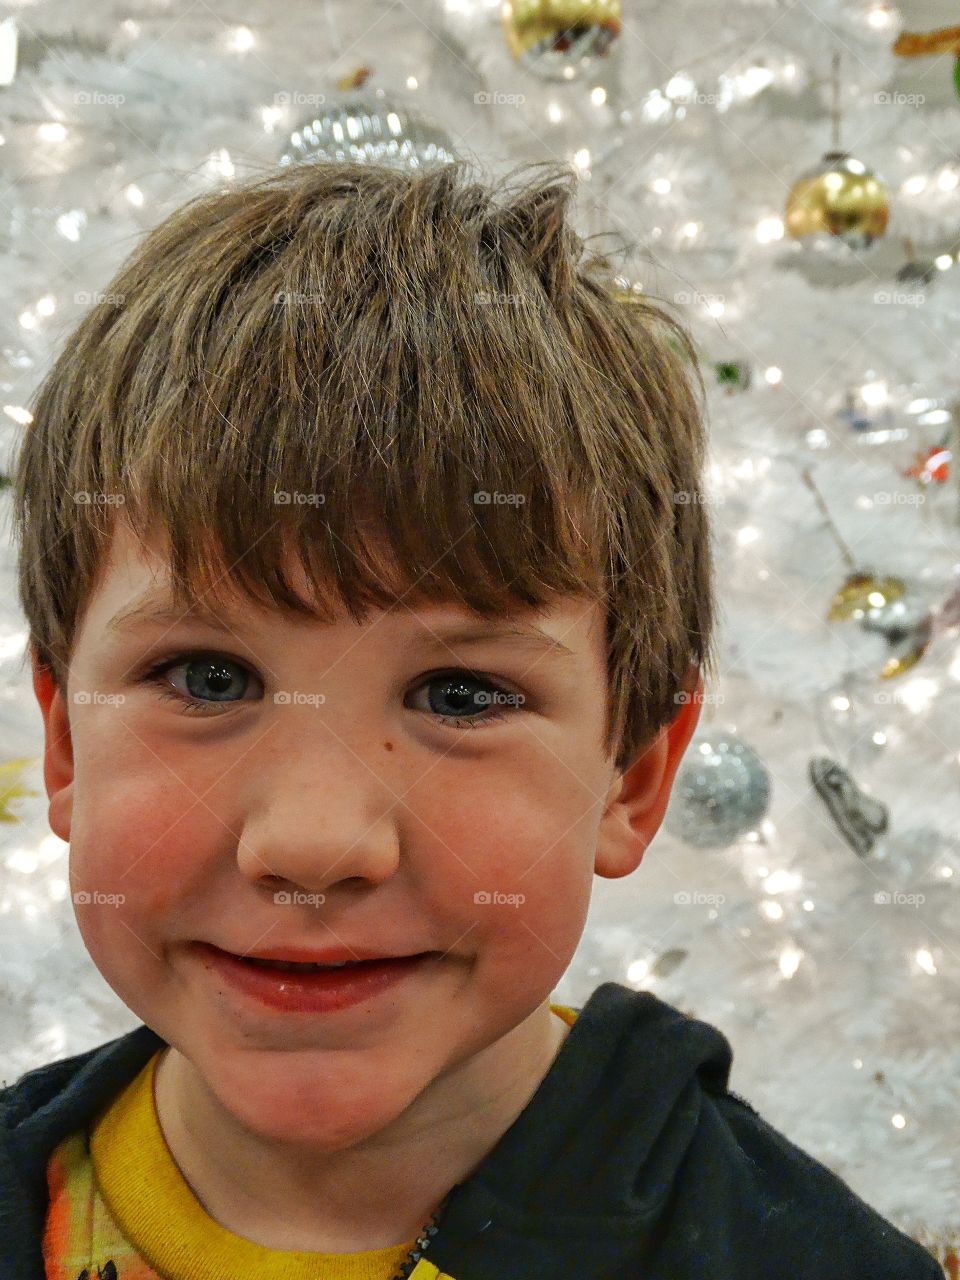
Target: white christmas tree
x=803, y=893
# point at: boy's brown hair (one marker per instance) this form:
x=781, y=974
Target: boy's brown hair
x=382, y=345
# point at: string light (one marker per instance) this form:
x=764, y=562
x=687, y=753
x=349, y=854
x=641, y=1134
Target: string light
x=769, y=229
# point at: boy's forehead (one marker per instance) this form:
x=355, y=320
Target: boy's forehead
x=136, y=580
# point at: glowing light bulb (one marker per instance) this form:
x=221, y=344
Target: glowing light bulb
x=874, y=393
x=790, y=958
x=71, y=224
x=769, y=229
x=241, y=39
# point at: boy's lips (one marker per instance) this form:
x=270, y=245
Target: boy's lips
x=312, y=990
x=330, y=955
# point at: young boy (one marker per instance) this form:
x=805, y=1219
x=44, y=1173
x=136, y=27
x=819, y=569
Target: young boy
x=386, y=461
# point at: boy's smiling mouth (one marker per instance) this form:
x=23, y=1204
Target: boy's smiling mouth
x=297, y=986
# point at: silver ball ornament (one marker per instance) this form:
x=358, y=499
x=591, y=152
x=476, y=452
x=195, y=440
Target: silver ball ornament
x=366, y=130
x=721, y=791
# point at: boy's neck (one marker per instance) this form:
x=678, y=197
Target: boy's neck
x=373, y=1195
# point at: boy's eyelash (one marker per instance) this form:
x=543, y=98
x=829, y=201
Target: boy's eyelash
x=189, y=705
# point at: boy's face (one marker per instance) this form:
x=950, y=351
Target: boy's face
x=183, y=827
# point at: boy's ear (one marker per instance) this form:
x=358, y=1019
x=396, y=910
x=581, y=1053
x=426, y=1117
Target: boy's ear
x=58, y=748
x=638, y=796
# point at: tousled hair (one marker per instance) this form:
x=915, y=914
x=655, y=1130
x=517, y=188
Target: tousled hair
x=382, y=346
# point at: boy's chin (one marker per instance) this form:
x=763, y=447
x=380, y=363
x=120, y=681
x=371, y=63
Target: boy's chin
x=327, y=1100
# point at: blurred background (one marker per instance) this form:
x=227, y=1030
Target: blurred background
x=786, y=176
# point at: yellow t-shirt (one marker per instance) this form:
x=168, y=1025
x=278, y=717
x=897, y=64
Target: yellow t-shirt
x=120, y=1209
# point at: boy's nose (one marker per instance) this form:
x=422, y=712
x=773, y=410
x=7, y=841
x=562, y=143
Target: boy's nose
x=319, y=824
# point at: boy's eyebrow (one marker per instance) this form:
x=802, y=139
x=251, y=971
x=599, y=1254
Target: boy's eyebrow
x=155, y=608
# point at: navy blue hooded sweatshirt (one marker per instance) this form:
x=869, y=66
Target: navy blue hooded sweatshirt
x=632, y=1161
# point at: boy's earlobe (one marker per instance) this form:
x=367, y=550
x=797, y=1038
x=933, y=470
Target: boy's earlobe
x=58, y=747
x=638, y=798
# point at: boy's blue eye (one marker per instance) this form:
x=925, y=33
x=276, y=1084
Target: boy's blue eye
x=216, y=678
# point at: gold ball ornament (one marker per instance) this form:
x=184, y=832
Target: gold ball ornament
x=885, y=606
x=838, y=197
x=558, y=39
x=863, y=591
